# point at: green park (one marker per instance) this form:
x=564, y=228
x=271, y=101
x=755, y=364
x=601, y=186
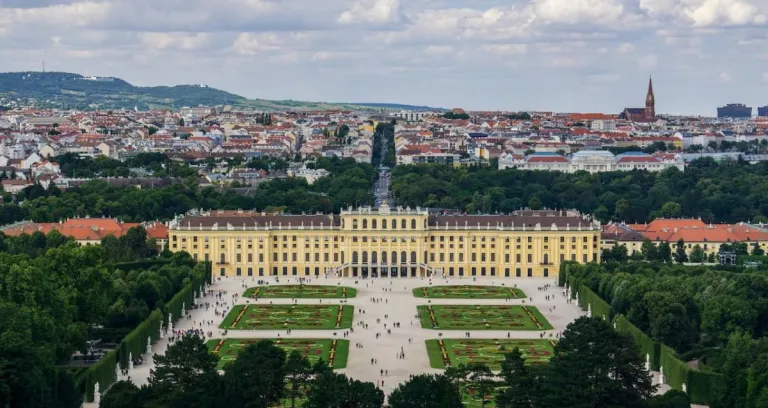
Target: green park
x=283, y=317
x=469, y=292
x=334, y=352
x=300, y=292
x=482, y=317
x=452, y=352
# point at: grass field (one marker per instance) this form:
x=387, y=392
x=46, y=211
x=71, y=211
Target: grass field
x=301, y=292
x=468, y=292
x=487, y=351
x=294, y=317
x=312, y=349
x=482, y=317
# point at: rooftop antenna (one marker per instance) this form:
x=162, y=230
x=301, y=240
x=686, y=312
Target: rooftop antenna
x=43, y=52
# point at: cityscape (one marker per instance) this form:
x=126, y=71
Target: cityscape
x=258, y=203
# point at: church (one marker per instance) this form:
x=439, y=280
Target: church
x=647, y=114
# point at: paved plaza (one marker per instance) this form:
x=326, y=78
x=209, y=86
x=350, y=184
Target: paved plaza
x=380, y=303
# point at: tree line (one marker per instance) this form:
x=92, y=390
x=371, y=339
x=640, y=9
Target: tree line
x=55, y=296
x=349, y=184
x=728, y=191
x=716, y=318
x=592, y=366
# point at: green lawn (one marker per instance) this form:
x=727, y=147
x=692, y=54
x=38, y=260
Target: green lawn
x=487, y=351
x=301, y=292
x=468, y=292
x=482, y=317
x=294, y=317
x=312, y=349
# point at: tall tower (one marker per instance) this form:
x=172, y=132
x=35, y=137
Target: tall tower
x=650, y=102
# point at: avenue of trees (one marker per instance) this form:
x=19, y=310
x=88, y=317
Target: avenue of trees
x=717, y=318
x=385, y=133
x=593, y=366
x=56, y=295
x=349, y=183
x=729, y=191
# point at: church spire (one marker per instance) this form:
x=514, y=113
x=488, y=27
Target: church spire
x=650, y=101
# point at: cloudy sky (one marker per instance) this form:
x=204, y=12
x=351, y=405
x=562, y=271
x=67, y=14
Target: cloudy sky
x=561, y=55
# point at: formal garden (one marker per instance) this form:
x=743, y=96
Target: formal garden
x=301, y=292
x=294, y=317
x=452, y=352
x=482, y=317
x=469, y=292
x=334, y=352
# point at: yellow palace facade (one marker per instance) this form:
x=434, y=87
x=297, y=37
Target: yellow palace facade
x=387, y=242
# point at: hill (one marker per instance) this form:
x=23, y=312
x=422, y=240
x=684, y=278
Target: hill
x=397, y=106
x=67, y=90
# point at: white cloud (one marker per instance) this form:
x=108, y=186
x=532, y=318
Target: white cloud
x=648, y=62
x=438, y=49
x=626, y=48
x=252, y=43
x=765, y=77
x=578, y=11
x=372, y=11
x=725, y=77
x=505, y=49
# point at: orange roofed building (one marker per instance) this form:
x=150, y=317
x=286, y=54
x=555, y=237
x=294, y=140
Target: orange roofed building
x=89, y=231
x=693, y=232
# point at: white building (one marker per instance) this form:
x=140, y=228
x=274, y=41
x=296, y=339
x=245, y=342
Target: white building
x=601, y=125
x=592, y=161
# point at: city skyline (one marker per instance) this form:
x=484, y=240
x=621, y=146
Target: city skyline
x=546, y=55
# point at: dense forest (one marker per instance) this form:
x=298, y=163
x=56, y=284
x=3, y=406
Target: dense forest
x=717, y=318
x=349, y=184
x=56, y=295
x=583, y=372
x=729, y=191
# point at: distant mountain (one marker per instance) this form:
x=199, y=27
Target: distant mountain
x=396, y=106
x=66, y=90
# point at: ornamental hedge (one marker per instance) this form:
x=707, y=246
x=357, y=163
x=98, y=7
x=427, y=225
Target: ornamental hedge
x=599, y=306
x=647, y=345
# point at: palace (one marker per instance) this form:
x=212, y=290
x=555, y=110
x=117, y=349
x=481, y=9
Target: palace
x=384, y=242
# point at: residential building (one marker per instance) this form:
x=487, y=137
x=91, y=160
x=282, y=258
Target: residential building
x=693, y=232
x=734, y=110
x=762, y=111
x=387, y=242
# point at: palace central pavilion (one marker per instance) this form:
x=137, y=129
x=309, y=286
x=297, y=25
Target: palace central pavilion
x=387, y=242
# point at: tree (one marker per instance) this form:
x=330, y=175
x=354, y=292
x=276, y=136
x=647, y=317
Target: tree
x=664, y=252
x=697, y=254
x=186, y=375
x=724, y=315
x=181, y=122
x=534, y=203
x=426, y=391
x=297, y=370
x=333, y=390
x=595, y=366
x=671, y=399
x=122, y=394
x=671, y=209
x=519, y=388
x=256, y=378
x=648, y=250
x=756, y=250
x=680, y=255
x=481, y=379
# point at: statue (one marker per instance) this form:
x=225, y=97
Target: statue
x=647, y=362
x=149, y=345
x=662, y=380
x=130, y=361
x=96, y=394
